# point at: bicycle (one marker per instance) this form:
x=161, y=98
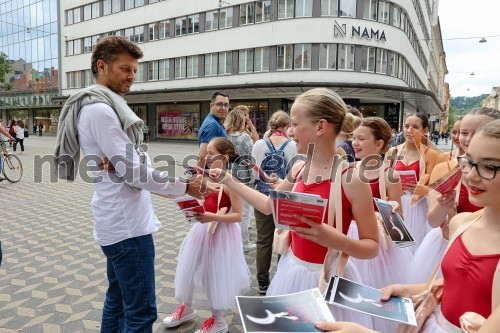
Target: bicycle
x=11, y=166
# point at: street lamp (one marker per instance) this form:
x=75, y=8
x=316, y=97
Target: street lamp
x=482, y=40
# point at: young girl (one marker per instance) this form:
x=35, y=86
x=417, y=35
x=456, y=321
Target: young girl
x=455, y=138
x=471, y=275
x=318, y=116
x=371, y=141
x=211, y=268
x=411, y=160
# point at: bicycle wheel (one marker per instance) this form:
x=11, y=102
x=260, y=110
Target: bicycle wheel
x=12, y=168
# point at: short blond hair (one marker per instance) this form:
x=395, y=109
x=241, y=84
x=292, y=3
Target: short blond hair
x=235, y=121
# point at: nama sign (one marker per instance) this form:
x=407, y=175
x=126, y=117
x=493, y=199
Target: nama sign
x=358, y=31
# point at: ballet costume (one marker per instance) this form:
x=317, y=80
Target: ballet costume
x=415, y=214
x=211, y=270
x=468, y=287
x=387, y=268
x=300, y=268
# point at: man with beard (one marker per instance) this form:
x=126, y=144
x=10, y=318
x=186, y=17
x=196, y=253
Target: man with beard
x=99, y=121
x=213, y=126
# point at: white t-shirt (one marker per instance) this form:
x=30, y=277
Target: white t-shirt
x=19, y=132
x=119, y=212
x=260, y=149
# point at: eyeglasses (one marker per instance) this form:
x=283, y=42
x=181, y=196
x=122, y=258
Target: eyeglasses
x=484, y=170
x=220, y=105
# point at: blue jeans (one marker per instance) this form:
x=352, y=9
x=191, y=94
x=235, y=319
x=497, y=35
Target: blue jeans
x=130, y=304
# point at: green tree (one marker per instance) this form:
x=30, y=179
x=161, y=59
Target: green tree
x=5, y=68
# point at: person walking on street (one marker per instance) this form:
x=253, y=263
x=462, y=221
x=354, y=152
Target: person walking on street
x=40, y=129
x=12, y=130
x=19, y=128
x=99, y=121
x=34, y=129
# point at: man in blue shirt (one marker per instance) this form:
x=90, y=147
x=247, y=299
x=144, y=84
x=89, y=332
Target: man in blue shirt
x=212, y=126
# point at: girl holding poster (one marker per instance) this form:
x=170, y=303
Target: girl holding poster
x=318, y=116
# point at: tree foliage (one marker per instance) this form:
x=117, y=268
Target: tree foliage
x=463, y=104
x=5, y=68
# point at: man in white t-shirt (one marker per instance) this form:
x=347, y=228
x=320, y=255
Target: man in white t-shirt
x=124, y=219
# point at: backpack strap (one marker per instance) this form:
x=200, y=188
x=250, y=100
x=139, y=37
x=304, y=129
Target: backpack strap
x=283, y=145
x=270, y=145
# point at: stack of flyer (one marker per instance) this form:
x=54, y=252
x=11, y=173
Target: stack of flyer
x=287, y=204
x=358, y=297
x=286, y=313
x=394, y=225
x=189, y=206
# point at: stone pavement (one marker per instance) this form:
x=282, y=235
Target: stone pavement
x=53, y=274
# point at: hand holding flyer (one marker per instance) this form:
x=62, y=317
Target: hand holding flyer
x=287, y=204
x=447, y=183
x=190, y=207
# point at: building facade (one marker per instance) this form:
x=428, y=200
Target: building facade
x=374, y=53
x=29, y=37
x=492, y=101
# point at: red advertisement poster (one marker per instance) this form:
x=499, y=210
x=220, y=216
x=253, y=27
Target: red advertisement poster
x=287, y=204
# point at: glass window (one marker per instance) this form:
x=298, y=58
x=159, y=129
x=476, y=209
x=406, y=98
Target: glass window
x=95, y=39
x=261, y=59
x=192, y=66
x=70, y=47
x=348, y=8
x=226, y=18
x=381, y=61
x=139, y=34
x=329, y=7
x=285, y=57
x=69, y=17
x=225, y=62
x=263, y=11
x=164, y=29
x=247, y=14
x=345, y=57
x=129, y=33
x=303, y=8
x=70, y=79
x=367, y=59
x=142, y=71
x=154, y=31
x=246, y=61
x=370, y=10
x=396, y=16
x=302, y=56
x=106, y=7
x=193, y=24
x=76, y=15
x=404, y=24
x=285, y=9
x=212, y=20
x=180, y=26
x=383, y=11
x=116, y=7
x=164, y=69
x=180, y=68
x=153, y=70
x=328, y=56
x=87, y=45
x=139, y=3
x=178, y=121
x=89, y=78
x=211, y=64
x=129, y=4
x=87, y=12
x=96, y=10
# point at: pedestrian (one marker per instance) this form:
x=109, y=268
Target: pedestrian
x=34, y=129
x=145, y=133
x=12, y=130
x=40, y=128
x=249, y=126
x=212, y=126
x=235, y=127
x=344, y=140
x=19, y=128
x=124, y=217
x=318, y=116
x=211, y=267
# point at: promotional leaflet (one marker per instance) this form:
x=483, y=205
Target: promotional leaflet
x=358, y=297
x=286, y=313
x=394, y=225
x=287, y=204
x=189, y=206
x=447, y=183
x=408, y=180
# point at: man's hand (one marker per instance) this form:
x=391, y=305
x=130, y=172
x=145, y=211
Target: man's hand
x=199, y=187
x=105, y=165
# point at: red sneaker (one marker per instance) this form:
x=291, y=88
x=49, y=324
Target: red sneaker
x=179, y=316
x=212, y=326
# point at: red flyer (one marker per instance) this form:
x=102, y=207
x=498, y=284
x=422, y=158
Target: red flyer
x=287, y=204
x=448, y=182
x=408, y=179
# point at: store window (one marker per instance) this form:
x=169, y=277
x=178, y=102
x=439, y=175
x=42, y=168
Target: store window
x=178, y=121
x=258, y=113
x=49, y=119
x=141, y=111
x=328, y=56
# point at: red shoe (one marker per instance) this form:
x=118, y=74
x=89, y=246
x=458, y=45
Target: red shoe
x=212, y=326
x=178, y=317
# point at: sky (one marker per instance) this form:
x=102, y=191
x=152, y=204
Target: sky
x=478, y=18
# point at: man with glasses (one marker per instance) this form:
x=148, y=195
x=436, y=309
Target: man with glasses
x=213, y=126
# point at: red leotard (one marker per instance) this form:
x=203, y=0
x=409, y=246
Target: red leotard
x=210, y=203
x=468, y=282
x=374, y=185
x=415, y=166
x=310, y=251
x=464, y=205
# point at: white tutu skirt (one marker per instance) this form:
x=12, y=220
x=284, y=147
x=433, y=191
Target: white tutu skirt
x=211, y=269
x=415, y=218
x=294, y=275
x=437, y=323
x=427, y=257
